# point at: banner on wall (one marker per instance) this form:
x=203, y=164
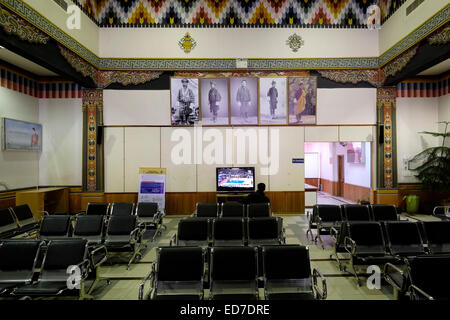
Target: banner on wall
x=152, y=186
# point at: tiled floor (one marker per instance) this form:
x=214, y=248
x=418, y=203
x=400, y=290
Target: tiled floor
x=326, y=198
x=341, y=286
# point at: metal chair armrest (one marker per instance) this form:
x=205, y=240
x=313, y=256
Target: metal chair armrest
x=173, y=240
x=149, y=276
x=322, y=294
x=94, y=252
x=388, y=268
x=414, y=290
x=333, y=233
x=135, y=235
x=350, y=245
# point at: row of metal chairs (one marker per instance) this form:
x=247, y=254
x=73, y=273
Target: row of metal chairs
x=232, y=273
x=141, y=209
x=16, y=220
x=206, y=232
x=378, y=243
x=33, y=268
x=442, y=212
x=232, y=209
x=118, y=234
x=326, y=216
x=426, y=277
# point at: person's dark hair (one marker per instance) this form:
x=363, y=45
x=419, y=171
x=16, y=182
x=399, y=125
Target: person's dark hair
x=261, y=187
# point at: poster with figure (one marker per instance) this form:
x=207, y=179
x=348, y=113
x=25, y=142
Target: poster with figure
x=273, y=100
x=184, y=101
x=21, y=135
x=214, y=101
x=244, y=100
x=302, y=100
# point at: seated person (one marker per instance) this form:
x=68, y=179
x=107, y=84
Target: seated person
x=258, y=196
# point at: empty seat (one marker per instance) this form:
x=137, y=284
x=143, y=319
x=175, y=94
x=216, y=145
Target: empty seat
x=288, y=276
x=54, y=226
x=429, y=277
x=122, y=209
x=233, y=209
x=324, y=217
x=438, y=236
x=384, y=212
x=355, y=212
x=89, y=228
x=123, y=235
x=233, y=273
x=192, y=232
x=8, y=225
x=148, y=213
x=257, y=210
x=25, y=218
x=228, y=232
x=366, y=245
x=17, y=262
x=178, y=274
x=97, y=209
x=265, y=231
x=404, y=238
x=206, y=209
x=53, y=277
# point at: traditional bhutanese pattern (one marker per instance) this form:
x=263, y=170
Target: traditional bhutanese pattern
x=280, y=13
x=423, y=89
x=45, y=90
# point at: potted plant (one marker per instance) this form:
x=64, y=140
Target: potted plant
x=433, y=165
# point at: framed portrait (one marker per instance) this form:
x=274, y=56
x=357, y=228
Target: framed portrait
x=302, y=100
x=273, y=100
x=214, y=101
x=244, y=101
x=184, y=101
x=21, y=135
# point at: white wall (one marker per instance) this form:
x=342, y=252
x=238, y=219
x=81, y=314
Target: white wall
x=399, y=25
x=61, y=159
x=359, y=174
x=19, y=169
x=237, y=43
x=444, y=114
x=413, y=116
x=346, y=106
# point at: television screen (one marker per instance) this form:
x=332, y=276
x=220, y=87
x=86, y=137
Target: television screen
x=356, y=152
x=235, y=179
x=21, y=135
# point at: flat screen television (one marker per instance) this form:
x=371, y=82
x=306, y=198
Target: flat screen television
x=235, y=179
x=21, y=135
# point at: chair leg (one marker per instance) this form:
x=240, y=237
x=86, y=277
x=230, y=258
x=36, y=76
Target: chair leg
x=353, y=272
x=320, y=238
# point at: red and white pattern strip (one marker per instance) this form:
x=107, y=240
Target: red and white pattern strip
x=423, y=89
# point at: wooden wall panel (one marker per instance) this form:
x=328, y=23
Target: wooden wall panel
x=329, y=186
x=7, y=199
x=184, y=202
x=312, y=181
x=287, y=202
x=354, y=193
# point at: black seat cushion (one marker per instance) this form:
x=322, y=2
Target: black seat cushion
x=23, y=212
x=55, y=225
x=286, y=262
x=233, y=209
x=88, y=226
x=233, y=263
x=6, y=218
x=44, y=288
x=193, y=229
x=384, y=212
x=430, y=274
x=180, y=264
x=18, y=254
x=206, y=209
x=437, y=232
x=146, y=209
x=327, y=212
x=63, y=253
x=122, y=208
x=121, y=225
x=228, y=229
x=356, y=212
x=97, y=208
x=263, y=228
x=259, y=210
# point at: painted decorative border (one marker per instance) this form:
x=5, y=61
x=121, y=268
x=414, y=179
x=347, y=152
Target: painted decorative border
x=36, y=19
x=423, y=88
x=39, y=89
x=399, y=63
x=371, y=76
x=440, y=37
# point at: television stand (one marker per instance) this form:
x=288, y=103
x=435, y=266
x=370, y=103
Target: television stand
x=224, y=197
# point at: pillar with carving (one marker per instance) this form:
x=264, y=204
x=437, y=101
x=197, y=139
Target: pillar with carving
x=92, y=144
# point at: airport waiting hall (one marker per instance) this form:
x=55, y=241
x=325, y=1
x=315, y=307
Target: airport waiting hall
x=224, y=150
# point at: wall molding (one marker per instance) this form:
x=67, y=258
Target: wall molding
x=32, y=16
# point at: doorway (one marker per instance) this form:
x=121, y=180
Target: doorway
x=341, y=177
